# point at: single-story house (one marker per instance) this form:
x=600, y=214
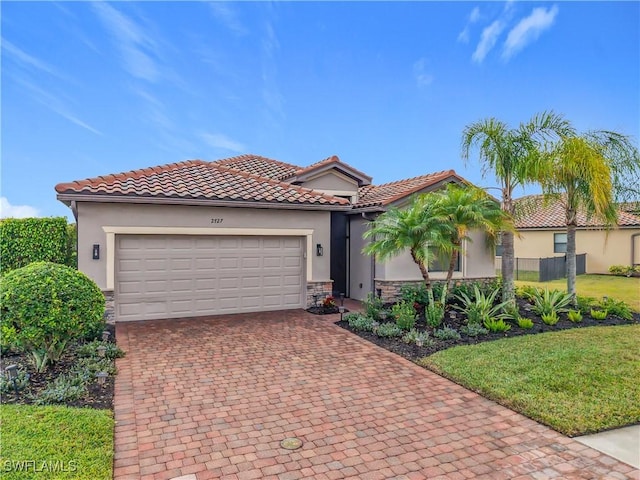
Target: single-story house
x=241, y=234
x=542, y=228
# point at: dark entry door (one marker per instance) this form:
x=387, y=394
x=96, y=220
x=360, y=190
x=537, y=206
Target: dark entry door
x=339, y=253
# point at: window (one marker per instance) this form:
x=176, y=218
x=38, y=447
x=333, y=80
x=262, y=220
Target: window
x=499, y=245
x=440, y=262
x=559, y=243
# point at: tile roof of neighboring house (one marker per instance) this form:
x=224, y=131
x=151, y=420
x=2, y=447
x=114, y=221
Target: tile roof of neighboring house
x=630, y=207
x=262, y=166
x=536, y=213
x=385, y=194
x=196, y=179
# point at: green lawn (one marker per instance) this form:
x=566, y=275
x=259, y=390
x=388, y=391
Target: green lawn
x=55, y=443
x=620, y=288
x=576, y=381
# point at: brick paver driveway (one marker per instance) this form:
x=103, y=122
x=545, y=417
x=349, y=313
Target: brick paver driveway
x=213, y=398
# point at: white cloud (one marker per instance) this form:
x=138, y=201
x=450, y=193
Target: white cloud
x=27, y=60
x=218, y=140
x=423, y=78
x=136, y=46
x=474, y=16
x=528, y=30
x=228, y=16
x=488, y=40
x=16, y=211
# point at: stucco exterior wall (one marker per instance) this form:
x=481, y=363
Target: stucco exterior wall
x=93, y=216
x=479, y=258
x=603, y=248
x=360, y=264
x=331, y=181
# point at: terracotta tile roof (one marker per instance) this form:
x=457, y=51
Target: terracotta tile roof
x=535, y=213
x=262, y=166
x=381, y=195
x=334, y=159
x=195, y=179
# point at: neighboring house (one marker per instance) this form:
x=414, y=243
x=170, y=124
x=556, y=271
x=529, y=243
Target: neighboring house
x=241, y=234
x=543, y=233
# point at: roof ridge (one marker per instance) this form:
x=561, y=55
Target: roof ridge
x=248, y=156
x=434, y=174
x=131, y=174
x=280, y=183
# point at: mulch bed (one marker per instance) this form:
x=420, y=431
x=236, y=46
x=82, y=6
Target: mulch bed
x=98, y=396
x=413, y=352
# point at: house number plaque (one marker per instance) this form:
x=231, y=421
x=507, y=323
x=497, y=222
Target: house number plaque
x=216, y=220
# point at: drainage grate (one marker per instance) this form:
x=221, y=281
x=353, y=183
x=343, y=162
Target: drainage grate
x=291, y=443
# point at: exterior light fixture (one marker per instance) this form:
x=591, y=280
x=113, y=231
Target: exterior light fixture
x=102, y=377
x=12, y=373
x=315, y=299
x=341, y=310
x=102, y=351
x=105, y=336
x=341, y=299
x=96, y=251
x=379, y=292
x=319, y=250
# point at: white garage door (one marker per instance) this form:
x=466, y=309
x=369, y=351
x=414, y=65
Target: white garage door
x=171, y=276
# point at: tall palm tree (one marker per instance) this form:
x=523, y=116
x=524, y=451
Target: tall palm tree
x=589, y=173
x=413, y=228
x=514, y=157
x=467, y=208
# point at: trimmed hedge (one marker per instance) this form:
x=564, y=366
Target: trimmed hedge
x=44, y=305
x=27, y=240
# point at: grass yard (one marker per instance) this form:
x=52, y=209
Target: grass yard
x=620, y=288
x=576, y=381
x=55, y=443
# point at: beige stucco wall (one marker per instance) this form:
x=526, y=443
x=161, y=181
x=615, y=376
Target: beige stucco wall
x=603, y=248
x=360, y=264
x=331, y=181
x=477, y=262
x=93, y=216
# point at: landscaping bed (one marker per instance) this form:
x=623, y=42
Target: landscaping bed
x=97, y=396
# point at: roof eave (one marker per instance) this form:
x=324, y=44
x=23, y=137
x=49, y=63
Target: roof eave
x=67, y=198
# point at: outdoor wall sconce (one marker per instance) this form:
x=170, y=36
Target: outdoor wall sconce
x=96, y=251
x=319, y=250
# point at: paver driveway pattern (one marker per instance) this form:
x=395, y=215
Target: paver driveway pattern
x=215, y=396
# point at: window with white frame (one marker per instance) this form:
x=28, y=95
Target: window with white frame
x=559, y=243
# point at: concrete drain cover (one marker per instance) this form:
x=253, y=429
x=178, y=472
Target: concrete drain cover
x=291, y=443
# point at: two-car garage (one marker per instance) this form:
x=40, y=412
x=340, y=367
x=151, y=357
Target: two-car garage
x=173, y=276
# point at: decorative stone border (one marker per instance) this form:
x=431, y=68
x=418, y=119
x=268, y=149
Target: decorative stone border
x=390, y=289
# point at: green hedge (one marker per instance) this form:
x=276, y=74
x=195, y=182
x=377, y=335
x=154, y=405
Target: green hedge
x=27, y=240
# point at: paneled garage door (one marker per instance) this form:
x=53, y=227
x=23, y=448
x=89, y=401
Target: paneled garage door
x=170, y=276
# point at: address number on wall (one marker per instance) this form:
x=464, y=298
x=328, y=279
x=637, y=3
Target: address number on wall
x=216, y=220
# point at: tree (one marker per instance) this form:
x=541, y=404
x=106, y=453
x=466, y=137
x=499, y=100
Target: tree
x=514, y=157
x=413, y=228
x=467, y=208
x=589, y=173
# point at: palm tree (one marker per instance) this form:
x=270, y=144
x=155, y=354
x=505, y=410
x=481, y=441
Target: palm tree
x=467, y=208
x=514, y=157
x=589, y=173
x=414, y=228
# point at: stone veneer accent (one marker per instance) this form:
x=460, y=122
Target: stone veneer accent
x=109, y=310
x=390, y=289
x=322, y=289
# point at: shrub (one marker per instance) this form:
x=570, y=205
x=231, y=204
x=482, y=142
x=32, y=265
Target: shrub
x=480, y=306
x=548, y=301
x=91, y=350
x=528, y=292
x=65, y=388
x=27, y=240
x=420, y=339
x=574, y=316
x=372, y=306
x=550, y=318
x=360, y=323
x=585, y=304
x=89, y=366
x=329, y=302
x=496, y=325
x=45, y=305
x=405, y=315
x=473, y=330
x=617, y=308
x=525, y=323
x=446, y=333
x=625, y=270
x=599, y=314
x=22, y=379
x=434, y=314
x=411, y=293
x=389, y=330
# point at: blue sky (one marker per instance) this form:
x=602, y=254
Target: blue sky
x=91, y=88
